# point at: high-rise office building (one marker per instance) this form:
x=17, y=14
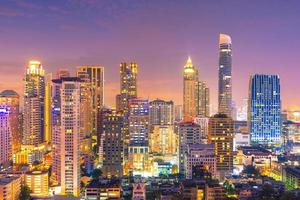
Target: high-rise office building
x=242, y=111
x=264, y=111
x=225, y=79
x=202, y=99
x=138, y=150
x=66, y=134
x=178, y=113
x=11, y=100
x=128, y=85
x=189, y=133
x=5, y=136
x=113, y=130
x=190, y=78
x=138, y=121
x=220, y=134
x=34, y=101
x=93, y=77
x=161, y=112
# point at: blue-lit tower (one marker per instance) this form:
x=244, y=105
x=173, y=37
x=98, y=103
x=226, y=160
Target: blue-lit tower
x=264, y=110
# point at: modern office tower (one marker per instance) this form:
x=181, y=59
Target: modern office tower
x=11, y=100
x=47, y=123
x=138, y=121
x=113, y=130
x=138, y=149
x=178, y=113
x=5, y=137
x=200, y=155
x=225, y=82
x=10, y=187
x=190, y=78
x=34, y=100
x=161, y=112
x=128, y=84
x=163, y=140
x=38, y=182
x=220, y=134
x=95, y=77
x=202, y=99
x=189, y=133
x=62, y=73
x=242, y=111
x=264, y=111
x=66, y=134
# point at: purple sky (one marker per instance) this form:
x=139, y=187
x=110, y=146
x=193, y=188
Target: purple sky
x=159, y=35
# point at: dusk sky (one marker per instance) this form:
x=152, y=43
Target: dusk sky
x=159, y=35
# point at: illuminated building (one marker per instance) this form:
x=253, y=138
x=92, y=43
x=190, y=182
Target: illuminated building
x=28, y=154
x=225, y=82
x=139, y=191
x=5, y=136
x=202, y=99
x=34, y=97
x=192, y=190
x=203, y=123
x=178, y=112
x=128, y=84
x=264, y=114
x=241, y=139
x=10, y=99
x=200, y=155
x=103, y=189
x=161, y=112
x=220, y=134
x=113, y=130
x=163, y=140
x=291, y=177
x=138, y=150
x=190, y=78
x=94, y=77
x=47, y=122
x=38, y=182
x=10, y=187
x=189, y=133
x=66, y=135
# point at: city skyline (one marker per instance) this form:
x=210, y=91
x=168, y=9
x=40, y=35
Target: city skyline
x=100, y=41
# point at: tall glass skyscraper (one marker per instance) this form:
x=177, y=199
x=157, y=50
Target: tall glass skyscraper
x=225, y=83
x=264, y=110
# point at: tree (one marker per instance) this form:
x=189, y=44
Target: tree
x=25, y=193
x=250, y=170
x=288, y=196
x=267, y=192
x=96, y=173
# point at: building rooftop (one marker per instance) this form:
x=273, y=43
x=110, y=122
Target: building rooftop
x=8, y=93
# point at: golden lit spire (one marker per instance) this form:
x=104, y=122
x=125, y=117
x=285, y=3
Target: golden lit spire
x=35, y=67
x=189, y=62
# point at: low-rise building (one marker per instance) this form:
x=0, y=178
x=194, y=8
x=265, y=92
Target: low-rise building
x=38, y=182
x=10, y=187
x=103, y=189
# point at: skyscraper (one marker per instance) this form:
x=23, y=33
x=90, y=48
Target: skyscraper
x=113, y=130
x=34, y=97
x=11, y=100
x=128, y=84
x=94, y=76
x=190, y=78
x=225, y=82
x=202, y=99
x=264, y=111
x=5, y=136
x=220, y=134
x=161, y=112
x=66, y=134
x=47, y=123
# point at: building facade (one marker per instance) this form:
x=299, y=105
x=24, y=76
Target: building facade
x=5, y=136
x=264, y=114
x=202, y=99
x=34, y=101
x=225, y=79
x=220, y=134
x=161, y=112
